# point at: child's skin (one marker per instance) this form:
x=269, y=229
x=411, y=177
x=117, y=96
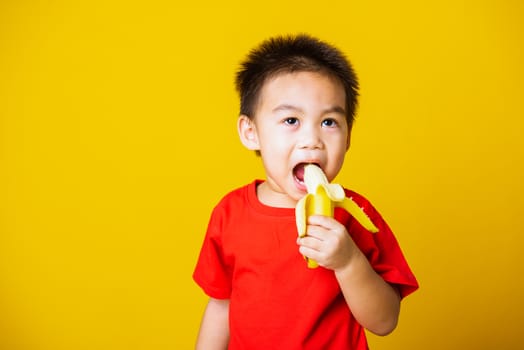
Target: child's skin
x=300, y=118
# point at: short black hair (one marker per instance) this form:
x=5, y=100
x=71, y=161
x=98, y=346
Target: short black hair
x=293, y=53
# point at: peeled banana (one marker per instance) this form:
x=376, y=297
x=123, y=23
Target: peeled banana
x=321, y=199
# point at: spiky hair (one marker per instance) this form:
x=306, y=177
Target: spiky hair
x=288, y=54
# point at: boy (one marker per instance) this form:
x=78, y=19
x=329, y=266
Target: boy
x=297, y=104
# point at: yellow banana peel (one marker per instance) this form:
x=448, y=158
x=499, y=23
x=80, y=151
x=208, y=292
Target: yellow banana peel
x=321, y=199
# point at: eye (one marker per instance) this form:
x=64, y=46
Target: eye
x=291, y=121
x=330, y=123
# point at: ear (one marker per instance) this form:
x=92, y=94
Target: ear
x=248, y=133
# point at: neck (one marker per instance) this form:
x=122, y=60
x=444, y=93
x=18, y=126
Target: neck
x=272, y=198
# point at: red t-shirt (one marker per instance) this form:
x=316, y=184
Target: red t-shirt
x=250, y=256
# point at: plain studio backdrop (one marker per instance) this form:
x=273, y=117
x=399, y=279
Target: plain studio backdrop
x=117, y=137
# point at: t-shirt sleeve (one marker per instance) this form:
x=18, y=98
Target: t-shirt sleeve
x=383, y=251
x=212, y=273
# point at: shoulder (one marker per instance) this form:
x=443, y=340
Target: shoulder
x=368, y=209
x=357, y=197
x=362, y=202
x=228, y=206
x=234, y=201
x=237, y=195
x=382, y=248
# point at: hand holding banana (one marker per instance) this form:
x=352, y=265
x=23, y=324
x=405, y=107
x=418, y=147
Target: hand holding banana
x=321, y=199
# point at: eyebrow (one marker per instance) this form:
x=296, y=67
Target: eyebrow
x=286, y=107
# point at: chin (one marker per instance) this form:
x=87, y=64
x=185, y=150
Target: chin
x=297, y=194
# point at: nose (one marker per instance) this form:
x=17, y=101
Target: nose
x=310, y=138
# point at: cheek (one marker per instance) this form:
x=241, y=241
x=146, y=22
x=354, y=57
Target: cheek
x=274, y=141
x=339, y=145
x=337, y=157
x=273, y=152
x=275, y=155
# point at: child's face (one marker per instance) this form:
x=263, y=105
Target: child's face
x=300, y=119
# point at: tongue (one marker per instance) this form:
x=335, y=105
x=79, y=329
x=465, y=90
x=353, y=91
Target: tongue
x=299, y=172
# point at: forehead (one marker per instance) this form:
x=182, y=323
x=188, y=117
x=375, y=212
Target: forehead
x=302, y=89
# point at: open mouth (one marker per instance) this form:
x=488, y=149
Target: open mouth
x=298, y=172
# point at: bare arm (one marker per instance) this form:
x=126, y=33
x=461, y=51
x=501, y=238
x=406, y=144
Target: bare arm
x=374, y=303
x=214, y=329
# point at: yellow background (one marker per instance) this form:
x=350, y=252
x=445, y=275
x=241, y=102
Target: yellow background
x=117, y=137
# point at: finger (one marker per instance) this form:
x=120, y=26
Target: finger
x=309, y=242
x=310, y=253
x=326, y=222
x=317, y=232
